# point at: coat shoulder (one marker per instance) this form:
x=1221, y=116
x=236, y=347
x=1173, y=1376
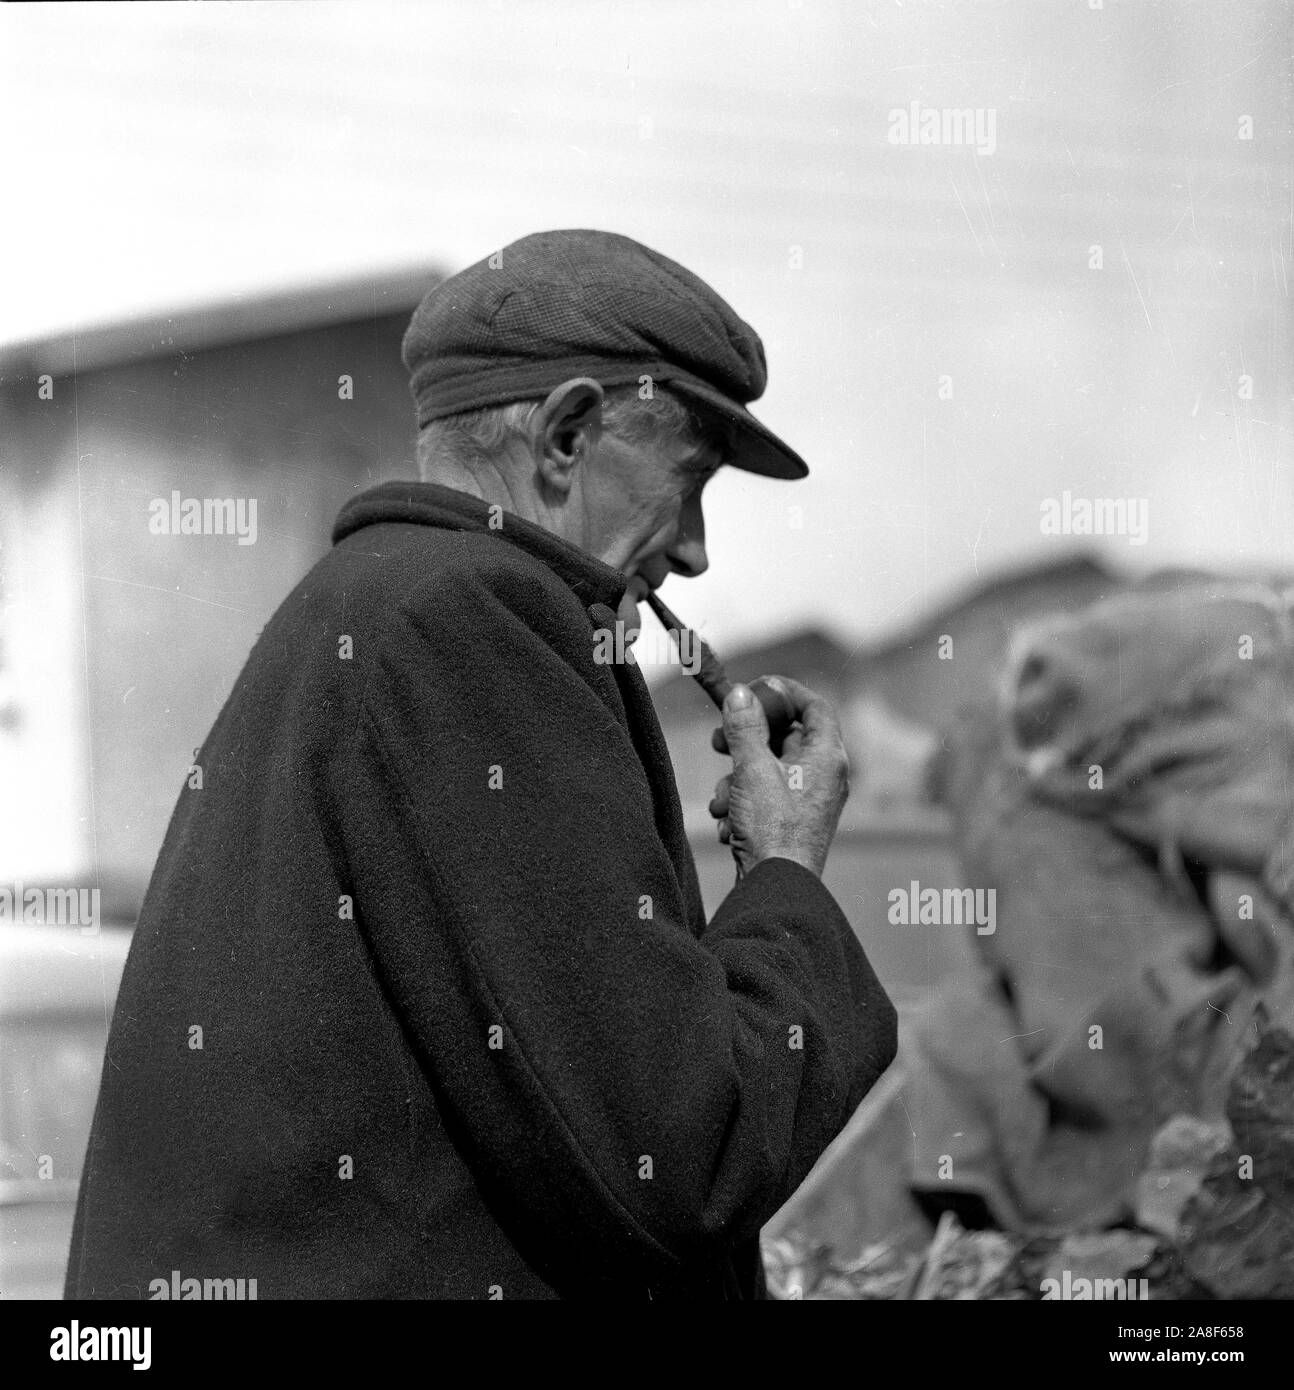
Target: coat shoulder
x=394, y=583
x=432, y=571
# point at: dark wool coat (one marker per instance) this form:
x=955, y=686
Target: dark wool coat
x=422, y=1002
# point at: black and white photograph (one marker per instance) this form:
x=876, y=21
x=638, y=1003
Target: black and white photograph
x=647, y=655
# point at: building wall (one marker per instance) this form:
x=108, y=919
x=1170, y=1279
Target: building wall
x=160, y=623
x=44, y=803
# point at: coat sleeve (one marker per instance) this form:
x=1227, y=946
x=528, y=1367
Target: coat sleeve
x=631, y=1097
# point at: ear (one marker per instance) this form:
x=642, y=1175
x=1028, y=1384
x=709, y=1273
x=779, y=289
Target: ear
x=565, y=429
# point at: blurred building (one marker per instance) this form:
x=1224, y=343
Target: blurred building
x=119, y=638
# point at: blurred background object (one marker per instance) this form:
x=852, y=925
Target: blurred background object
x=124, y=639
x=56, y=992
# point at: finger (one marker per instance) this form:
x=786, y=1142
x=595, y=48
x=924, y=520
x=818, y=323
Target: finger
x=745, y=725
x=719, y=741
x=792, y=745
x=725, y=832
x=811, y=709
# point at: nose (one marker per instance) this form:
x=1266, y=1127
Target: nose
x=687, y=552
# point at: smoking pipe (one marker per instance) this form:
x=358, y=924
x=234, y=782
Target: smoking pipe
x=713, y=679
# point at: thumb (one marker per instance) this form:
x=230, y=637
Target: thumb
x=745, y=724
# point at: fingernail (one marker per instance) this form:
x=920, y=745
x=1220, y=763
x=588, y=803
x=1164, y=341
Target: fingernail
x=740, y=697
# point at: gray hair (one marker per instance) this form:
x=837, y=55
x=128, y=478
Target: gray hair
x=475, y=437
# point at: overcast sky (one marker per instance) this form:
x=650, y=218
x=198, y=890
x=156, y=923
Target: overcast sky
x=1095, y=300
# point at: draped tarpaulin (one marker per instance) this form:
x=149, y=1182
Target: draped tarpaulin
x=1128, y=796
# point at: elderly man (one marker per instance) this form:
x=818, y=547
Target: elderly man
x=423, y=1001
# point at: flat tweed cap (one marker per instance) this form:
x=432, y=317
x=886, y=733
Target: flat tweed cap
x=561, y=304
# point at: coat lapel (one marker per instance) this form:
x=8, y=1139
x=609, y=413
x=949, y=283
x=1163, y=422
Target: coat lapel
x=653, y=753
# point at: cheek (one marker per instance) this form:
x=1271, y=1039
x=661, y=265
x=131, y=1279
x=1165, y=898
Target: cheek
x=650, y=517
x=668, y=510
x=629, y=498
x=659, y=525
x=668, y=514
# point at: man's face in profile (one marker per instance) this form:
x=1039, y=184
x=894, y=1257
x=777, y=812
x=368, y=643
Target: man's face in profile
x=643, y=511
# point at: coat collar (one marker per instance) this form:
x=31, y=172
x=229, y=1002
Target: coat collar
x=431, y=504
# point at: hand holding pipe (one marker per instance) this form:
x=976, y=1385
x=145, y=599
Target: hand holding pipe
x=713, y=679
